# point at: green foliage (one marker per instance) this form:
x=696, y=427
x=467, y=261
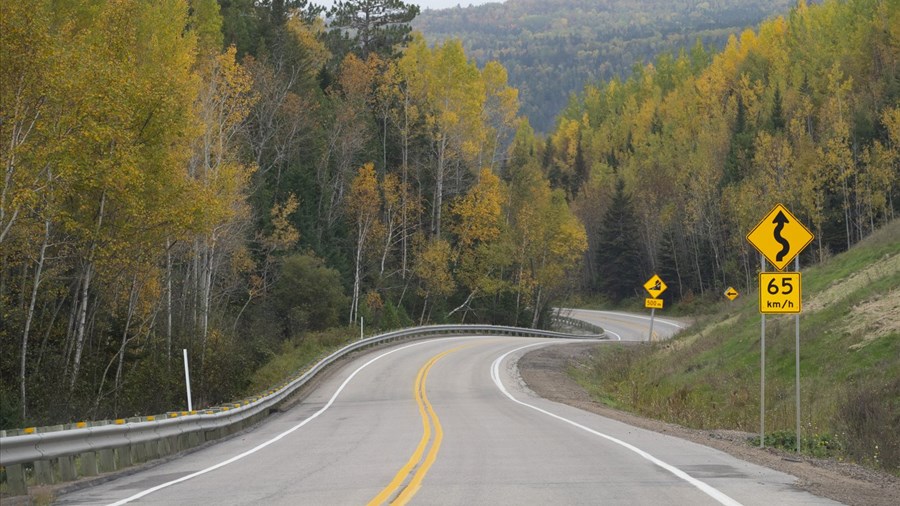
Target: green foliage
x=295, y=356
x=308, y=296
x=817, y=445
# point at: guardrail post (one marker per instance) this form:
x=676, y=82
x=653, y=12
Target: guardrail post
x=169, y=445
x=89, y=464
x=15, y=480
x=107, y=461
x=67, y=470
x=125, y=458
x=138, y=453
x=43, y=472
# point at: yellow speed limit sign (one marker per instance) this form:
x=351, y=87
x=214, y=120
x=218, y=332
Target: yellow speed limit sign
x=779, y=292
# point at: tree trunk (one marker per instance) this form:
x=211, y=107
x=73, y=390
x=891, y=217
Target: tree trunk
x=83, y=309
x=354, y=304
x=404, y=190
x=168, y=305
x=29, y=317
x=439, y=188
x=132, y=296
x=80, y=325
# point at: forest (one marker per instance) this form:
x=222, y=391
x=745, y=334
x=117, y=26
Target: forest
x=231, y=177
x=672, y=167
x=227, y=177
x=553, y=48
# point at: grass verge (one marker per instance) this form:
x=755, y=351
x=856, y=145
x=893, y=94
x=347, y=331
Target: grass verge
x=709, y=376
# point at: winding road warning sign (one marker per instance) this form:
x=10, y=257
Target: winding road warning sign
x=780, y=237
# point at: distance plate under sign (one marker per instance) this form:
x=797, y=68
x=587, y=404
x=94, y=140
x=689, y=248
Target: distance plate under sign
x=653, y=303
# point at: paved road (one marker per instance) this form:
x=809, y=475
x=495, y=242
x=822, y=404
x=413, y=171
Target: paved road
x=447, y=422
x=627, y=326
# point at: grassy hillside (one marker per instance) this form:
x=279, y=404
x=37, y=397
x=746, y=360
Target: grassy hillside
x=708, y=377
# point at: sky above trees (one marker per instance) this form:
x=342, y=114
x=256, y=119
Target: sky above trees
x=429, y=4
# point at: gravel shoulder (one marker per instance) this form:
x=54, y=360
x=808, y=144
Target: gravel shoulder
x=545, y=372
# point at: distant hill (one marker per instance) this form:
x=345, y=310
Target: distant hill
x=551, y=48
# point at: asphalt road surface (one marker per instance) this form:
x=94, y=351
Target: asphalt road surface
x=447, y=421
x=627, y=326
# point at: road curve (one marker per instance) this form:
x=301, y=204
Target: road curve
x=446, y=421
x=627, y=326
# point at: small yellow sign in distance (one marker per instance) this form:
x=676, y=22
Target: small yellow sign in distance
x=655, y=286
x=653, y=303
x=779, y=292
x=731, y=293
x=780, y=237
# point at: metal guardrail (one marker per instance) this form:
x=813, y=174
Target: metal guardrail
x=51, y=454
x=576, y=324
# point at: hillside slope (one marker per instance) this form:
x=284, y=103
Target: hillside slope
x=709, y=376
x=552, y=48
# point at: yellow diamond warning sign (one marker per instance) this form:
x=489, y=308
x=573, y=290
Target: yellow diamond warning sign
x=780, y=237
x=731, y=293
x=655, y=286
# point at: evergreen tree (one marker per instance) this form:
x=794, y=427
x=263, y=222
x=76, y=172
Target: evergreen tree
x=375, y=26
x=619, y=258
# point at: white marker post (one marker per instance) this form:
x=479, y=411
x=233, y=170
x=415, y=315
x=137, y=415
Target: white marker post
x=187, y=380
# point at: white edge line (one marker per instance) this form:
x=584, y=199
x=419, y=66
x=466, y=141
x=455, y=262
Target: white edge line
x=618, y=337
x=276, y=438
x=702, y=486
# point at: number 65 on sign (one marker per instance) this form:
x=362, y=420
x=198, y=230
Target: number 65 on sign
x=779, y=292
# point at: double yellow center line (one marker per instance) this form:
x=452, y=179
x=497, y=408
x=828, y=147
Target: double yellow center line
x=416, y=466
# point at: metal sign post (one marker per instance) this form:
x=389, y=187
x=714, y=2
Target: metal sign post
x=780, y=238
x=797, y=364
x=655, y=286
x=762, y=369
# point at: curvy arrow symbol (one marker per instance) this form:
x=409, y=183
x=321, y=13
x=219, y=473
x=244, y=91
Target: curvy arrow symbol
x=779, y=221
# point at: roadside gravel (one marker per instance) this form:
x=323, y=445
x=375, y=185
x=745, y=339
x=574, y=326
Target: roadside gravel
x=545, y=372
